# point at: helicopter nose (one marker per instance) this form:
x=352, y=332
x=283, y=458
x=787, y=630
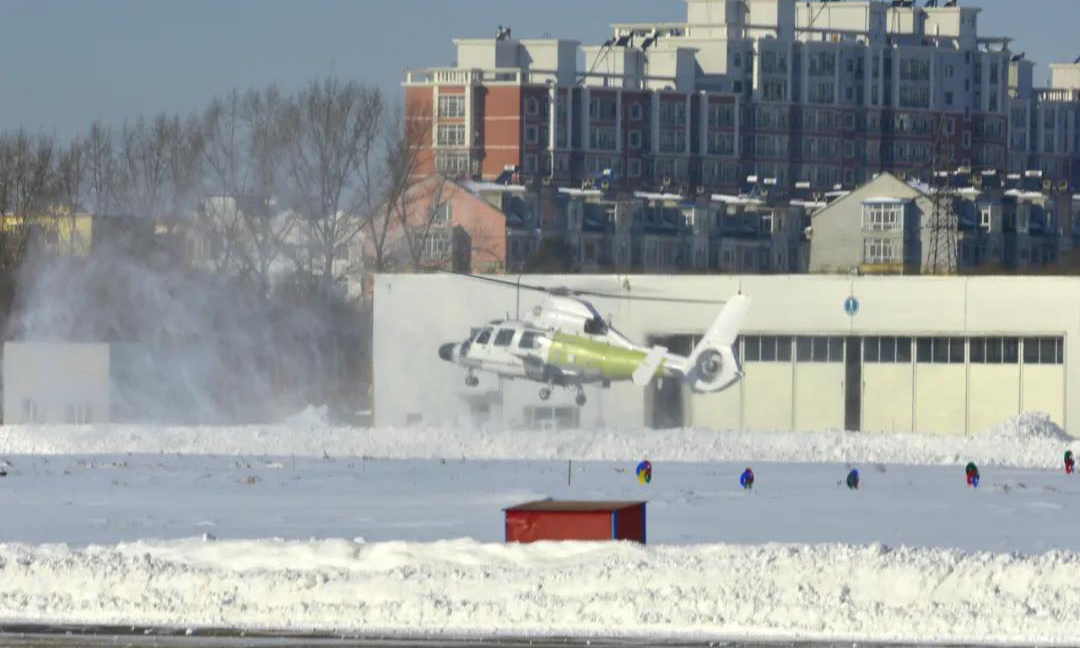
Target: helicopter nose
x=446, y=351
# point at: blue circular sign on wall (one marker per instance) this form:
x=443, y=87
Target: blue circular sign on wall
x=851, y=306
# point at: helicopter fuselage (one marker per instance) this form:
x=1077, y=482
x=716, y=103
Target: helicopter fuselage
x=517, y=350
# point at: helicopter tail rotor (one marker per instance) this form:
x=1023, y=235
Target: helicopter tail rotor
x=713, y=365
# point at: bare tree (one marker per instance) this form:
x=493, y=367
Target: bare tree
x=389, y=187
x=142, y=160
x=421, y=214
x=334, y=127
x=71, y=182
x=245, y=150
x=26, y=177
x=101, y=169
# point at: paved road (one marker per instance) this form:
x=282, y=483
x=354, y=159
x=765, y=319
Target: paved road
x=30, y=636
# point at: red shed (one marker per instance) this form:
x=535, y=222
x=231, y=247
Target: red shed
x=570, y=520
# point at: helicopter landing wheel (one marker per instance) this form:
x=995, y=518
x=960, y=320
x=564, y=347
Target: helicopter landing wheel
x=471, y=381
x=580, y=398
x=545, y=393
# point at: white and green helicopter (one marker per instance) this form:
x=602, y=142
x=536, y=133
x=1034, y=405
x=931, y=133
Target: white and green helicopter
x=568, y=344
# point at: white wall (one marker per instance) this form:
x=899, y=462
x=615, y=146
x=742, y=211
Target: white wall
x=56, y=383
x=416, y=313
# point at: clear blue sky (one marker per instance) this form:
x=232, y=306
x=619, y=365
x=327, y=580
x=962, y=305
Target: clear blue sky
x=64, y=62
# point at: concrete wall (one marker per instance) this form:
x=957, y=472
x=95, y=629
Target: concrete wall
x=414, y=314
x=1065, y=76
x=56, y=383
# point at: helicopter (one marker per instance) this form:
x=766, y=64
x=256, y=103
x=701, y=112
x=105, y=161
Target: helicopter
x=568, y=344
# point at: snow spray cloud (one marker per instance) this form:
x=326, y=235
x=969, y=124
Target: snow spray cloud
x=187, y=346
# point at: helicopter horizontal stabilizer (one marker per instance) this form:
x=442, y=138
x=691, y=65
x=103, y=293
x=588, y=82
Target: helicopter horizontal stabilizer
x=647, y=369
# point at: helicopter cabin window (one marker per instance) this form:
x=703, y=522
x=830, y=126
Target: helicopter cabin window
x=528, y=340
x=504, y=337
x=484, y=336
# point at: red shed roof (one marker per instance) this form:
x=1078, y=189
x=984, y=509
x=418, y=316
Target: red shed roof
x=573, y=506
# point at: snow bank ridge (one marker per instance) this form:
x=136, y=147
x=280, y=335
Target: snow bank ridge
x=582, y=589
x=1029, y=440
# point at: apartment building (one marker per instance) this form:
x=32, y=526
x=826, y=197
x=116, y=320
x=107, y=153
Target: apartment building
x=968, y=223
x=488, y=227
x=1045, y=122
x=818, y=93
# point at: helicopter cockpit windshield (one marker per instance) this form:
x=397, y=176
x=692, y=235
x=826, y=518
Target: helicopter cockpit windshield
x=596, y=326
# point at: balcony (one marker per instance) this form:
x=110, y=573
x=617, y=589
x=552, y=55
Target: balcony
x=1057, y=95
x=462, y=76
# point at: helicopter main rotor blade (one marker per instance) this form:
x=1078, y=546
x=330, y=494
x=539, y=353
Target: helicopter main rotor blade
x=505, y=282
x=647, y=298
x=572, y=292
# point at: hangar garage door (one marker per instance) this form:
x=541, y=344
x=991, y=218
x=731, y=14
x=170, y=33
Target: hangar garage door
x=767, y=385
x=1009, y=375
x=994, y=381
x=819, y=383
x=1043, y=377
x=888, y=384
x=940, y=385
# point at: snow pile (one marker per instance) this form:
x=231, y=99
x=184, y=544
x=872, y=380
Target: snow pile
x=461, y=587
x=1029, y=427
x=1029, y=440
x=310, y=417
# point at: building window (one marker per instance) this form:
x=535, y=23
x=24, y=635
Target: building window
x=721, y=144
x=767, y=348
x=437, y=246
x=531, y=135
x=882, y=250
x=602, y=109
x=31, y=411
x=883, y=216
x=451, y=105
x=1044, y=350
x=995, y=350
x=532, y=106
x=672, y=141
x=452, y=135
x=939, y=350
x=453, y=164
x=634, y=138
x=602, y=138
x=442, y=214
x=887, y=349
x=636, y=112
x=673, y=113
x=633, y=168
x=552, y=418
x=985, y=218
x=721, y=116
x=819, y=349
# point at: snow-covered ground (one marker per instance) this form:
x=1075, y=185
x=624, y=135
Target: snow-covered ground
x=312, y=527
x=1029, y=440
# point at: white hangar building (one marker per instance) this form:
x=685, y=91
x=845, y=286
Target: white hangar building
x=948, y=355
